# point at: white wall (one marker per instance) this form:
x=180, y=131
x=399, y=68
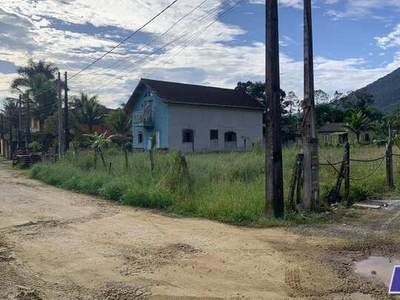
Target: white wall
x=201, y=119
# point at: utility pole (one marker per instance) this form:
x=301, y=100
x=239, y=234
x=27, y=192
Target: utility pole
x=11, y=146
x=309, y=127
x=28, y=117
x=60, y=114
x=1, y=127
x=273, y=141
x=66, y=125
x=19, y=122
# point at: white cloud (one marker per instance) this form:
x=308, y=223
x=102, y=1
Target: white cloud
x=27, y=30
x=390, y=40
x=361, y=8
x=285, y=3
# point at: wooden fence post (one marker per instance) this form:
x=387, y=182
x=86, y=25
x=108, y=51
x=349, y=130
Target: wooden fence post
x=295, y=182
x=299, y=178
x=389, y=165
x=347, y=174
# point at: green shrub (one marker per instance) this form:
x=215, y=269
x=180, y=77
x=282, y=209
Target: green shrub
x=150, y=199
x=115, y=189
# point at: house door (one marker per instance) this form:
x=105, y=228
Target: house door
x=188, y=140
x=230, y=140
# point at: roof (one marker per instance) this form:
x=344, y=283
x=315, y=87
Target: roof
x=189, y=94
x=333, y=127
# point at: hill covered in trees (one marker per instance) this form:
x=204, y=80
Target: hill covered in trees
x=386, y=91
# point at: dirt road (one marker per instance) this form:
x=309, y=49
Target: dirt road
x=55, y=244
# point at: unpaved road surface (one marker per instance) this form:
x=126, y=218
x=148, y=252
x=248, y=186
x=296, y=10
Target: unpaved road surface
x=55, y=244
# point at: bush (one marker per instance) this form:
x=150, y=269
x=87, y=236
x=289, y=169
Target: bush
x=115, y=189
x=150, y=199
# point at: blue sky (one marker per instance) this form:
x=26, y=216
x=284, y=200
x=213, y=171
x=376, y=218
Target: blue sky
x=355, y=42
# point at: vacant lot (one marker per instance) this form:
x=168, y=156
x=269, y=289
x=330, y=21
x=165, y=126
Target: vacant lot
x=59, y=245
x=227, y=187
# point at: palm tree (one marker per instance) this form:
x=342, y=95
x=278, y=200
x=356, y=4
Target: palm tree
x=120, y=121
x=88, y=110
x=358, y=122
x=38, y=85
x=33, y=68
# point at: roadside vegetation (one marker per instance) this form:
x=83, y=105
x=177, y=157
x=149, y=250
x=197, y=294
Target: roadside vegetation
x=227, y=187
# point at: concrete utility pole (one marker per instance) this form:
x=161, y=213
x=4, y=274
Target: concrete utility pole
x=66, y=124
x=60, y=130
x=273, y=141
x=309, y=126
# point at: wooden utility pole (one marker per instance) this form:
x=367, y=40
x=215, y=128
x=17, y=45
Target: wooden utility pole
x=60, y=114
x=19, y=121
x=389, y=164
x=347, y=175
x=1, y=127
x=273, y=142
x=11, y=146
x=66, y=124
x=28, y=117
x=309, y=126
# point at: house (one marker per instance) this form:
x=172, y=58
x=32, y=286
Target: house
x=193, y=118
x=338, y=133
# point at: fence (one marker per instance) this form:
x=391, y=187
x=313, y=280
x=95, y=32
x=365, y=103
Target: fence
x=343, y=170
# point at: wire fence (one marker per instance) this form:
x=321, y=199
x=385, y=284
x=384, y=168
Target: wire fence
x=348, y=164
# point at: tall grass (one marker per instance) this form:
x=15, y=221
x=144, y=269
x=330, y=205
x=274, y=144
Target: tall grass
x=228, y=187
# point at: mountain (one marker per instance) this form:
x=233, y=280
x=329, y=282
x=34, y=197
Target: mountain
x=386, y=91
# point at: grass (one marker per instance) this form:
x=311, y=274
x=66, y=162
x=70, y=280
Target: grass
x=228, y=187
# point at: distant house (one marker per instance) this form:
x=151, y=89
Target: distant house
x=36, y=125
x=338, y=133
x=193, y=118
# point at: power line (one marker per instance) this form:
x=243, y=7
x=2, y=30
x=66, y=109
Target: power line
x=187, y=33
x=123, y=41
x=152, y=40
x=195, y=37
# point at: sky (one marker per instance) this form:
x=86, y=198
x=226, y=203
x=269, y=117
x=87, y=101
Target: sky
x=207, y=42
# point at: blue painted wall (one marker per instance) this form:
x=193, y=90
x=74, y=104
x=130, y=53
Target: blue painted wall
x=161, y=122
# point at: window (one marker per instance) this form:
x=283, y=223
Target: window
x=230, y=136
x=140, y=137
x=213, y=134
x=187, y=136
x=148, y=93
x=326, y=138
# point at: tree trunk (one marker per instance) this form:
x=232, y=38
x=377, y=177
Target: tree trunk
x=102, y=157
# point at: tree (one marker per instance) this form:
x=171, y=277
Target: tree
x=120, y=121
x=358, y=122
x=88, y=110
x=328, y=113
x=36, y=82
x=256, y=90
x=358, y=101
x=291, y=100
x=42, y=67
x=51, y=124
x=321, y=97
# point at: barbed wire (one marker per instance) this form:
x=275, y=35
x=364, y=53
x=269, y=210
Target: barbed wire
x=369, y=175
x=367, y=160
